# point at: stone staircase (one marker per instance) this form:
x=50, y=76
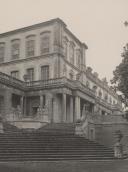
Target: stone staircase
x=53, y=142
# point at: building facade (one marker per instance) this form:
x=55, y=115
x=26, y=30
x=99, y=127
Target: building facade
x=44, y=72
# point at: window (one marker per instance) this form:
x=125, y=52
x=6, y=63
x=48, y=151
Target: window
x=15, y=49
x=30, y=46
x=71, y=74
x=87, y=84
x=45, y=42
x=78, y=59
x=30, y=73
x=15, y=74
x=2, y=51
x=44, y=72
x=71, y=53
x=65, y=47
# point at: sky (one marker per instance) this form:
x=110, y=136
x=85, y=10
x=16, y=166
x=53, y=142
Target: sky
x=98, y=23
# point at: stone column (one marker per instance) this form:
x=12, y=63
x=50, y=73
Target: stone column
x=22, y=104
x=8, y=101
x=63, y=107
x=50, y=106
x=25, y=105
x=41, y=101
x=71, y=109
x=77, y=108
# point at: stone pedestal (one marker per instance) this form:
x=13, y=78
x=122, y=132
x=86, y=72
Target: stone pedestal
x=118, y=150
x=1, y=128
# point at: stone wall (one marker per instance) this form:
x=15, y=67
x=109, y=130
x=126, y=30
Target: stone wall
x=105, y=133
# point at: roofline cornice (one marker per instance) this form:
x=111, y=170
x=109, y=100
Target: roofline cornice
x=46, y=23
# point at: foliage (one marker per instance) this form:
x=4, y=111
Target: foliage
x=120, y=79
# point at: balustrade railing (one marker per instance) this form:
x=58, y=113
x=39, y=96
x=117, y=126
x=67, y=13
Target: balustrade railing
x=49, y=82
x=6, y=78
x=58, y=82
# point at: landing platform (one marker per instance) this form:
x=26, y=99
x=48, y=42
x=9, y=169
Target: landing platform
x=66, y=166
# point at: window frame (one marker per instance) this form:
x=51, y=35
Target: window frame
x=15, y=49
x=30, y=48
x=31, y=77
x=45, y=42
x=15, y=72
x=2, y=51
x=46, y=68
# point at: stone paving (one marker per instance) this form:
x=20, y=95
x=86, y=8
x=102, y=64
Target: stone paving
x=65, y=166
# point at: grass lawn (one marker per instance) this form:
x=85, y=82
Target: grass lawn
x=66, y=166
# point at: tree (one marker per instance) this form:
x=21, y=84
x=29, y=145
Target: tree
x=120, y=78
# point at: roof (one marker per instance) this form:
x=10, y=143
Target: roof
x=33, y=27
x=46, y=23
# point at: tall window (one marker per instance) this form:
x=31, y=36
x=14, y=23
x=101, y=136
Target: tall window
x=45, y=42
x=65, y=47
x=15, y=74
x=44, y=72
x=30, y=46
x=30, y=73
x=15, y=49
x=78, y=59
x=71, y=53
x=2, y=51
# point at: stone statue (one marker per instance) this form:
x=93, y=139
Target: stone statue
x=1, y=124
x=39, y=112
x=84, y=114
x=19, y=111
x=118, y=147
x=46, y=109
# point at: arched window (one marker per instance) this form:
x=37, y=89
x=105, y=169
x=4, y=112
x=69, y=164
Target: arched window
x=2, y=51
x=30, y=45
x=65, y=47
x=45, y=42
x=15, y=47
x=71, y=52
x=78, y=58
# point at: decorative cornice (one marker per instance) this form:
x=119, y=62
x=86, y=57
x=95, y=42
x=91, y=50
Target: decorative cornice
x=46, y=23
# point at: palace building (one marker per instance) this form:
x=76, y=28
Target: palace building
x=44, y=77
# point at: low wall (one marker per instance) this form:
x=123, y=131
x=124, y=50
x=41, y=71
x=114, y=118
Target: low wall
x=28, y=123
x=105, y=133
